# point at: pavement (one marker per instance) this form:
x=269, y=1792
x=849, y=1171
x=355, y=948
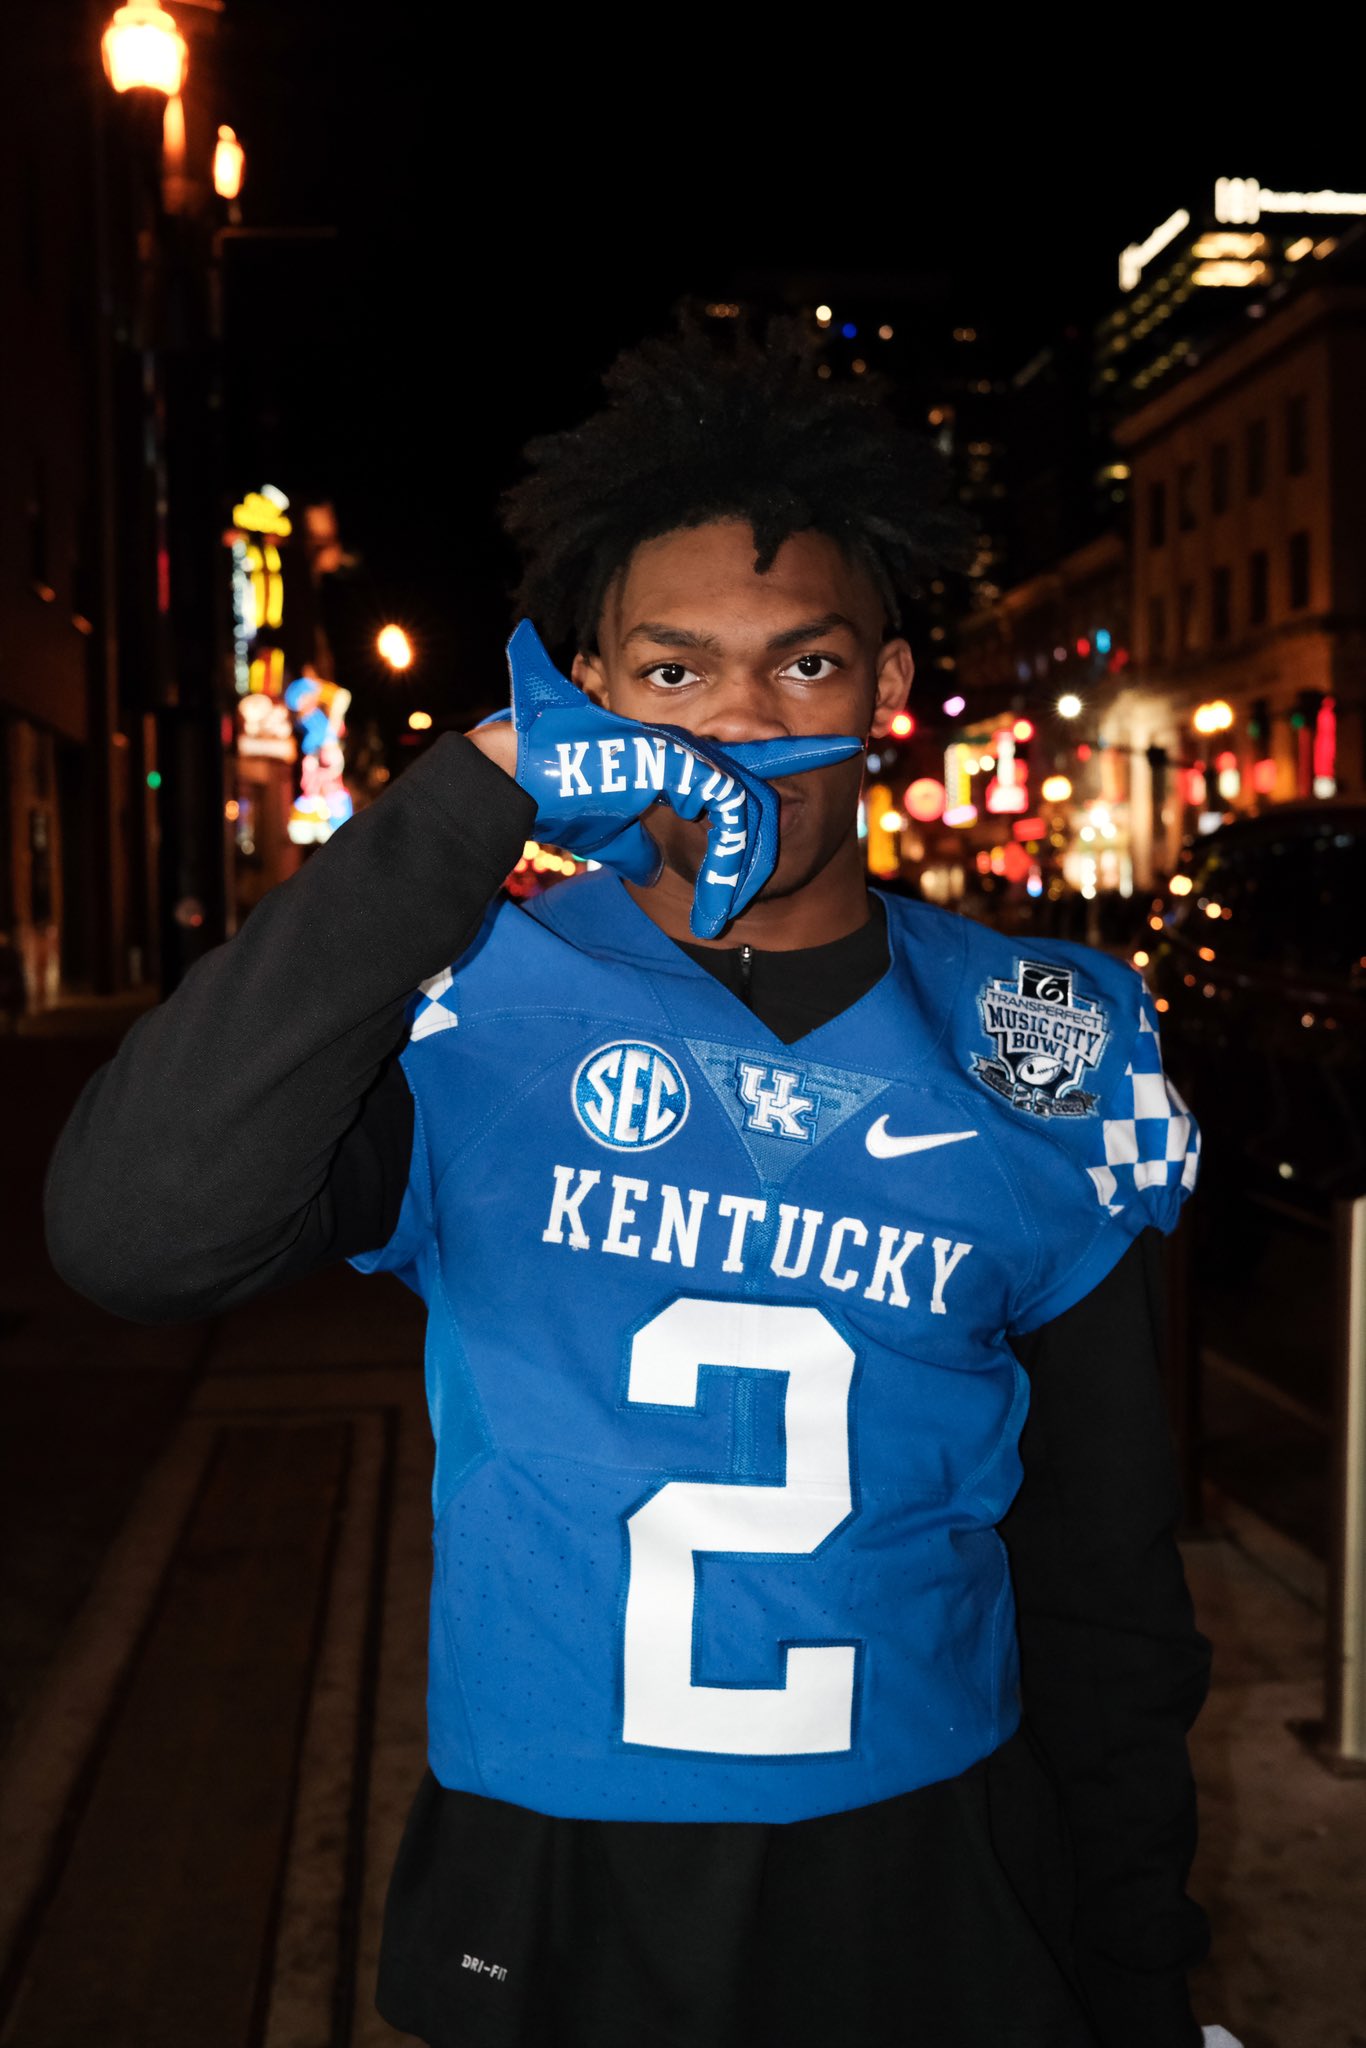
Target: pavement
x=213, y=1576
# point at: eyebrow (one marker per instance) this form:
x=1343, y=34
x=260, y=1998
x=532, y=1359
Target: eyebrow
x=679, y=636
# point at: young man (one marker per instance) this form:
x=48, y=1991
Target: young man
x=745, y=1255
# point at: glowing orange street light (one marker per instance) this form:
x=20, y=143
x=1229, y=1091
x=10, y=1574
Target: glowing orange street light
x=143, y=47
x=394, y=647
x=229, y=164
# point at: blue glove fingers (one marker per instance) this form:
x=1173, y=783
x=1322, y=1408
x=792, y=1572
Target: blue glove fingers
x=768, y=759
x=729, y=809
x=537, y=684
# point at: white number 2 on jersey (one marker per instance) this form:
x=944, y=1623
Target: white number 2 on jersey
x=812, y=1711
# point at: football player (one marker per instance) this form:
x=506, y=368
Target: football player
x=811, y=1659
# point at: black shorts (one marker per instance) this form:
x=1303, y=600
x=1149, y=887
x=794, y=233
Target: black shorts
x=939, y=1918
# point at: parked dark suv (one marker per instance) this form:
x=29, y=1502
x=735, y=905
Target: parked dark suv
x=1262, y=968
x=1261, y=964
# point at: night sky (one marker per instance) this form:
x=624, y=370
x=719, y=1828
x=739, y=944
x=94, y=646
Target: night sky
x=495, y=248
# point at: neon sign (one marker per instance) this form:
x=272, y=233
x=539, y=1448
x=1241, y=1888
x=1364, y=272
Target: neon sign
x=1242, y=201
x=1138, y=255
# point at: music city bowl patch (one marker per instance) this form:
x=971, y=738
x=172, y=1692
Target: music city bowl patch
x=1047, y=1039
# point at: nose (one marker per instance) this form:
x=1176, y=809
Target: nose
x=742, y=706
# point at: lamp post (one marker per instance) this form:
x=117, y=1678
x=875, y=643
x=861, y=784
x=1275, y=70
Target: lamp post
x=168, y=375
x=144, y=50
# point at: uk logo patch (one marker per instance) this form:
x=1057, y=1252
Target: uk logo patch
x=1047, y=1040
x=775, y=1103
x=630, y=1095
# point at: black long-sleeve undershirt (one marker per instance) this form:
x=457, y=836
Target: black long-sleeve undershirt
x=257, y=1126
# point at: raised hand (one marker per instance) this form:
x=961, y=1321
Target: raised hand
x=594, y=775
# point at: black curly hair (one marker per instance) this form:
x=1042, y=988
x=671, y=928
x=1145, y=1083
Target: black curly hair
x=697, y=429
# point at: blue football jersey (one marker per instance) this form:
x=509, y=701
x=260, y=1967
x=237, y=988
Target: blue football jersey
x=717, y=1355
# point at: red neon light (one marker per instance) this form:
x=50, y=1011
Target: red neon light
x=1029, y=828
x=1083, y=646
x=1264, y=777
x=1225, y=762
x=1084, y=751
x=1326, y=739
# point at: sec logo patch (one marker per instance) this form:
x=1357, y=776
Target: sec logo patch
x=630, y=1096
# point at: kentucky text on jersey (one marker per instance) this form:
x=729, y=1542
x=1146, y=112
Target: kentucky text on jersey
x=742, y=1237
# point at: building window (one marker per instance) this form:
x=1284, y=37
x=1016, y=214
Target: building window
x=1299, y=571
x=1297, y=434
x=1185, y=497
x=1220, y=604
x=1218, y=478
x=1185, y=618
x=1157, y=629
x=1257, y=587
x=1157, y=515
x=1256, y=458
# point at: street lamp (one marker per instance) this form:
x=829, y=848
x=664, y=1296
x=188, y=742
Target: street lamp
x=394, y=647
x=142, y=47
x=229, y=163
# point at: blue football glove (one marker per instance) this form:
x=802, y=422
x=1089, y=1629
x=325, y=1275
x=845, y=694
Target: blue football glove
x=594, y=775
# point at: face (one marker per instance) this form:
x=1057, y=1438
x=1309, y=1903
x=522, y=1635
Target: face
x=692, y=636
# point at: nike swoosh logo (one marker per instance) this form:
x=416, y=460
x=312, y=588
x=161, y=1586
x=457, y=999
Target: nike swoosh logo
x=883, y=1145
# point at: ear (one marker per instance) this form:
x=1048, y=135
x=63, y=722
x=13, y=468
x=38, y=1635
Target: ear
x=895, y=674
x=587, y=671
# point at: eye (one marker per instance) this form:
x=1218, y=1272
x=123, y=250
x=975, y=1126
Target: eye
x=670, y=675
x=812, y=668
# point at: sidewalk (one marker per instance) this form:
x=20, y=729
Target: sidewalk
x=219, y=1591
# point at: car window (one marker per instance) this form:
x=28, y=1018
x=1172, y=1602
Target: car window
x=1294, y=899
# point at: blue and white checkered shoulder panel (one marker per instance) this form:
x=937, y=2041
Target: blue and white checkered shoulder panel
x=1150, y=1138
x=431, y=1013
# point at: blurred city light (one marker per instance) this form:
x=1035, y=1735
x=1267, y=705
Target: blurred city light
x=229, y=164
x=955, y=706
x=1215, y=717
x=394, y=647
x=1023, y=729
x=1180, y=885
x=823, y=316
x=926, y=799
x=142, y=47
x=903, y=725
x=420, y=721
x=1069, y=705
x=1056, y=789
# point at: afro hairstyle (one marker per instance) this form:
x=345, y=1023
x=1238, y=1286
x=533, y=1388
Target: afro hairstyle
x=699, y=428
